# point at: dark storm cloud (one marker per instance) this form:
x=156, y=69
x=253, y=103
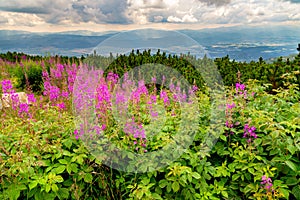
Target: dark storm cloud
x=32, y=10
x=56, y=11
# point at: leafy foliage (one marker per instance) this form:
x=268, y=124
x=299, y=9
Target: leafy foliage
x=40, y=157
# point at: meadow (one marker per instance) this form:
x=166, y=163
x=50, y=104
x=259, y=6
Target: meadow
x=54, y=145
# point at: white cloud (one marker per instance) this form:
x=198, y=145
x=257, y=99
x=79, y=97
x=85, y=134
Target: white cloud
x=186, y=19
x=207, y=12
x=173, y=19
x=20, y=19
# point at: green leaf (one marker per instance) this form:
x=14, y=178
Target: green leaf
x=59, y=179
x=296, y=191
x=285, y=193
x=225, y=194
x=38, y=196
x=63, y=193
x=63, y=161
x=60, y=169
x=291, y=165
x=32, y=185
x=223, y=137
x=175, y=186
x=48, y=188
x=251, y=170
x=74, y=167
x=292, y=149
x=68, y=143
x=292, y=181
x=163, y=183
x=54, y=187
x=235, y=177
x=139, y=194
x=257, y=141
x=156, y=196
x=196, y=175
x=88, y=178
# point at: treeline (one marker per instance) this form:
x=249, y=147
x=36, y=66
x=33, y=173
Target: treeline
x=17, y=57
x=270, y=73
x=195, y=71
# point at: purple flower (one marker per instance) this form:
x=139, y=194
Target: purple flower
x=15, y=100
x=31, y=98
x=229, y=125
x=61, y=106
x=23, y=109
x=194, y=88
x=267, y=182
x=164, y=97
x=154, y=114
x=230, y=106
x=153, y=98
x=97, y=129
x=6, y=86
x=54, y=93
x=65, y=94
x=249, y=132
x=134, y=129
x=239, y=88
x=111, y=77
x=76, y=133
x=153, y=79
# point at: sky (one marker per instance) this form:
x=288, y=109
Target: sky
x=117, y=15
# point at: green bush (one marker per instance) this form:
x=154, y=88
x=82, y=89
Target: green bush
x=41, y=159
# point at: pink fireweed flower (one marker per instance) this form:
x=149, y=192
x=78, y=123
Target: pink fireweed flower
x=23, y=109
x=113, y=78
x=97, y=129
x=141, y=90
x=249, y=132
x=240, y=88
x=103, y=127
x=15, y=101
x=267, y=182
x=54, y=93
x=153, y=79
x=172, y=87
x=195, y=88
x=229, y=125
x=61, y=106
x=134, y=129
x=55, y=73
x=154, y=114
x=65, y=94
x=230, y=106
x=6, y=86
x=164, y=97
x=76, y=133
x=153, y=98
x=31, y=98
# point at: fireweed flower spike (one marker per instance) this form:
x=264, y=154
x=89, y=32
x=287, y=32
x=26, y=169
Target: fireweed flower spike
x=230, y=106
x=267, y=182
x=7, y=86
x=249, y=132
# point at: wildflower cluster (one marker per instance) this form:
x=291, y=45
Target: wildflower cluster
x=267, y=183
x=249, y=132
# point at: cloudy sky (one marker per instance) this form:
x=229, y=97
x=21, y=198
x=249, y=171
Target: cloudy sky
x=105, y=15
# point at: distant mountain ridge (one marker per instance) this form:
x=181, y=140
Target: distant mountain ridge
x=240, y=43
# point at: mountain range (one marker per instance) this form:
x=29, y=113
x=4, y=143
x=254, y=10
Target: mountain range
x=242, y=43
